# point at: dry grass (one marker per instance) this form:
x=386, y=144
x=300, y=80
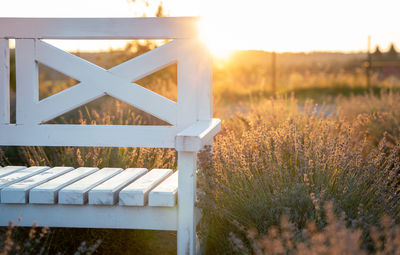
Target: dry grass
x=282, y=159
x=334, y=238
x=285, y=175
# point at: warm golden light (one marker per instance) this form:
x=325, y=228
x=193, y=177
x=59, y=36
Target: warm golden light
x=284, y=25
x=296, y=26
x=215, y=40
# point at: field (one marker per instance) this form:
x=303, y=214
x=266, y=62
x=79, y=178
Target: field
x=310, y=168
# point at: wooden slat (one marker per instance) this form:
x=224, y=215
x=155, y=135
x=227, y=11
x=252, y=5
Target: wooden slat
x=99, y=28
x=27, y=81
x=107, y=192
x=136, y=193
x=65, y=101
x=69, y=64
x=47, y=193
x=10, y=169
x=77, y=193
x=17, y=193
x=145, y=100
x=90, y=216
x=20, y=175
x=149, y=62
x=165, y=193
x=88, y=135
x=4, y=82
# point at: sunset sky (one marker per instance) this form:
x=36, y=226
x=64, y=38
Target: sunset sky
x=307, y=25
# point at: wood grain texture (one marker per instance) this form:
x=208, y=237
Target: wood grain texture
x=20, y=175
x=77, y=193
x=107, y=192
x=18, y=193
x=47, y=193
x=165, y=193
x=136, y=193
x=10, y=169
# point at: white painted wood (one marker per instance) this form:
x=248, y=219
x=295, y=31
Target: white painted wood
x=197, y=135
x=136, y=193
x=17, y=193
x=65, y=101
x=149, y=62
x=27, y=81
x=107, y=192
x=47, y=193
x=104, y=81
x=89, y=135
x=190, y=116
x=77, y=193
x=90, y=216
x=165, y=193
x=69, y=64
x=132, y=70
x=20, y=175
x=186, y=200
x=203, y=80
x=99, y=28
x=145, y=100
x=4, y=82
x=10, y=169
x=187, y=92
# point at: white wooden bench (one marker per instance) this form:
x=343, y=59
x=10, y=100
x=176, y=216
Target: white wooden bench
x=87, y=197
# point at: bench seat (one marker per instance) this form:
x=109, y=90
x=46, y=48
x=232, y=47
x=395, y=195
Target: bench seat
x=68, y=197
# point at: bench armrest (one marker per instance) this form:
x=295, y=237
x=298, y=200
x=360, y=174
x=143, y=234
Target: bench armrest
x=197, y=135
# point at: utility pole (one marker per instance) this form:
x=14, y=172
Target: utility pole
x=273, y=72
x=369, y=63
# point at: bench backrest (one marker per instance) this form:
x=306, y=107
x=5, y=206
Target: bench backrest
x=194, y=79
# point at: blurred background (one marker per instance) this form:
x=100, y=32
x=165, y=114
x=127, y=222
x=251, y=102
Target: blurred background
x=260, y=48
x=308, y=158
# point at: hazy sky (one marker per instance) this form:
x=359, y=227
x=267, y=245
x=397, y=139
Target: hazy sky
x=284, y=25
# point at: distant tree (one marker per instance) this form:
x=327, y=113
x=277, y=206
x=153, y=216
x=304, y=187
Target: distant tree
x=377, y=55
x=138, y=47
x=160, y=12
x=392, y=53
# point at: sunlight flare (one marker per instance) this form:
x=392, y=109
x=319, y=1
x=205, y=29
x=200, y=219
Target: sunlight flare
x=217, y=41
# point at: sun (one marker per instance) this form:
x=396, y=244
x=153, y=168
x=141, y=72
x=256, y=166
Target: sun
x=217, y=40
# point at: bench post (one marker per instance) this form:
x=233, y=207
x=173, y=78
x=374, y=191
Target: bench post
x=4, y=82
x=186, y=200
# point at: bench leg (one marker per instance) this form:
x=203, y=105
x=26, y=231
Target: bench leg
x=187, y=240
